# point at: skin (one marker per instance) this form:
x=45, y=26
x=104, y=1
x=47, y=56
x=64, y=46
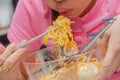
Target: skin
x=65, y=8
x=111, y=39
x=12, y=60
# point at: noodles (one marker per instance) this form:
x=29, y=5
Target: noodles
x=60, y=33
x=76, y=70
x=48, y=77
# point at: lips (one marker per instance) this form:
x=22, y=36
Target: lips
x=65, y=12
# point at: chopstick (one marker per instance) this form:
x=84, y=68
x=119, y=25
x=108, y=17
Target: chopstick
x=92, y=41
x=62, y=52
x=25, y=43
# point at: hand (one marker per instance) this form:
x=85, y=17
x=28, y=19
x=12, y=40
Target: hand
x=112, y=57
x=11, y=61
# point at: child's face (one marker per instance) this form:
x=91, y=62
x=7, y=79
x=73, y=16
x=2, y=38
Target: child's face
x=68, y=8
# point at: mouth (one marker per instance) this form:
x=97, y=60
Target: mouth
x=65, y=12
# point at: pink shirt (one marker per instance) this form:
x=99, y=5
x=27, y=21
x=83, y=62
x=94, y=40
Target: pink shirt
x=32, y=17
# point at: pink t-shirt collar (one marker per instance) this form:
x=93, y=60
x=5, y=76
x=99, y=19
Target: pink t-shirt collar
x=90, y=14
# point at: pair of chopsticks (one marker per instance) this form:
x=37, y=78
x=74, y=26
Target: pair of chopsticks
x=92, y=41
x=84, y=49
x=89, y=45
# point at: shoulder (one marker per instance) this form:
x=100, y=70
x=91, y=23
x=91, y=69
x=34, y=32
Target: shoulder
x=34, y=4
x=36, y=7
x=37, y=10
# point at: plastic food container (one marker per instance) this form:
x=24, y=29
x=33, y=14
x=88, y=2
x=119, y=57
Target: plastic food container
x=41, y=65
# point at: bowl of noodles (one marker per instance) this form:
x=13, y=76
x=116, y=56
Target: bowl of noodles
x=41, y=65
x=50, y=64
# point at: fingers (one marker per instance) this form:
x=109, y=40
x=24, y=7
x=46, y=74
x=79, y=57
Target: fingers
x=115, y=65
x=14, y=58
x=7, y=52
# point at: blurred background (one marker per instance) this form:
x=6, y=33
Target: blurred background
x=7, y=8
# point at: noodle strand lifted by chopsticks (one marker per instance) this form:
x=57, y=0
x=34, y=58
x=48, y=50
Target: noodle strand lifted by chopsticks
x=61, y=35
